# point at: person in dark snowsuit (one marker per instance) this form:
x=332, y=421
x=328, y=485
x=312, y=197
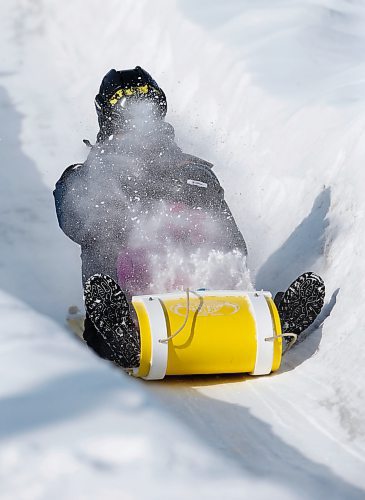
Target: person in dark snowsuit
x=135, y=168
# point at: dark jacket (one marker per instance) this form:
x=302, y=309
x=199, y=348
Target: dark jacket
x=97, y=201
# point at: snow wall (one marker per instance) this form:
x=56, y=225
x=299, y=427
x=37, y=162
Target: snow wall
x=271, y=92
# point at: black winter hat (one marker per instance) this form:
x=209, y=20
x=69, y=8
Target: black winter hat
x=119, y=87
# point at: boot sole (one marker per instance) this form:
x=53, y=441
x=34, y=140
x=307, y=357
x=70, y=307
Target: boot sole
x=301, y=303
x=108, y=309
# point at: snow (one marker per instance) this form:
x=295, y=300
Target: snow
x=273, y=93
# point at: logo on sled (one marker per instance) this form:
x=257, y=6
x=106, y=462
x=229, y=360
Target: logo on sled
x=207, y=309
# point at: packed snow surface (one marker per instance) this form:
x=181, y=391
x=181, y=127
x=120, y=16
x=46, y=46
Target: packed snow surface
x=273, y=93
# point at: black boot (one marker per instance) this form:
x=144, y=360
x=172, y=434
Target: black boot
x=108, y=310
x=95, y=341
x=301, y=303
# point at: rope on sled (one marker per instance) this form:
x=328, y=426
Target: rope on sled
x=293, y=336
x=164, y=341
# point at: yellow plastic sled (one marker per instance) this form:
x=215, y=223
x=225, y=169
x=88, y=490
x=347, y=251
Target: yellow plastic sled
x=208, y=332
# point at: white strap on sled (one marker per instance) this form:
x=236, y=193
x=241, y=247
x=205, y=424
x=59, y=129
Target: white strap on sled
x=264, y=328
x=159, y=351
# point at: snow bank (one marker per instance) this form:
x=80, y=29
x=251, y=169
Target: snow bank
x=273, y=94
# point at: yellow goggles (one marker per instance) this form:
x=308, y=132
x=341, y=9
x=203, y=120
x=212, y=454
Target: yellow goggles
x=131, y=91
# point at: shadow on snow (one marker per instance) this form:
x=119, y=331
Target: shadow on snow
x=250, y=442
x=300, y=252
x=37, y=264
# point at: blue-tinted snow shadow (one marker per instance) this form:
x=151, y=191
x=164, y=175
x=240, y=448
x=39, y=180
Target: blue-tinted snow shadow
x=300, y=252
x=250, y=443
x=63, y=398
x=37, y=263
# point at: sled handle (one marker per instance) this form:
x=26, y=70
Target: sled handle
x=164, y=341
x=294, y=337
